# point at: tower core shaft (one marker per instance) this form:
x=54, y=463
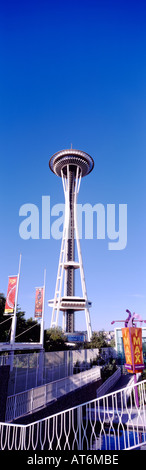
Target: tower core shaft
x=70, y=324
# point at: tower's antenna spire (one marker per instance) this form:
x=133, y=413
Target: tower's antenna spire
x=71, y=146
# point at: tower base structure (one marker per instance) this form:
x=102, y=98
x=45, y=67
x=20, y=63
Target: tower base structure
x=71, y=165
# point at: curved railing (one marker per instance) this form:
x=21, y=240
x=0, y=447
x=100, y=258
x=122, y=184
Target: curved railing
x=113, y=421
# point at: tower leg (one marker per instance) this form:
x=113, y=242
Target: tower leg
x=84, y=290
x=57, y=296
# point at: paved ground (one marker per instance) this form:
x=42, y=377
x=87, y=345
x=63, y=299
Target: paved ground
x=122, y=382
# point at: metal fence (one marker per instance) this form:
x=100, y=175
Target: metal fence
x=34, y=369
x=30, y=400
x=109, y=422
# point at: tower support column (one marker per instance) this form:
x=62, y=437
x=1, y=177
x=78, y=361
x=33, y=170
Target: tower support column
x=70, y=250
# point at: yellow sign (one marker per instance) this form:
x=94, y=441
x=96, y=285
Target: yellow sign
x=132, y=340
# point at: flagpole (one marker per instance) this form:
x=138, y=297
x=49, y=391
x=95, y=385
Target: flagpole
x=42, y=320
x=14, y=319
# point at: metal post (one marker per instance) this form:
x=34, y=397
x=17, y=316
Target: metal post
x=79, y=421
x=136, y=392
x=15, y=406
x=15, y=380
x=42, y=320
x=14, y=319
x=27, y=372
x=31, y=400
x=135, y=380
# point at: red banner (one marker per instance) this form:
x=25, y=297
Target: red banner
x=39, y=302
x=132, y=339
x=11, y=292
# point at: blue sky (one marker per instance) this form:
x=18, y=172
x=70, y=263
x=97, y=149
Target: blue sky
x=74, y=72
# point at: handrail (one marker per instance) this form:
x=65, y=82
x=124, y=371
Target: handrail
x=77, y=427
x=25, y=402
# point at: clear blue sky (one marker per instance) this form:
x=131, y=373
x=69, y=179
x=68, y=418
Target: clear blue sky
x=74, y=72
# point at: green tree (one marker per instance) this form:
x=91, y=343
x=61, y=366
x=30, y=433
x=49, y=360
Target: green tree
x=33, y=334
x=112, y=343
x=54, y=340
x=4, y=325
x=108, y=369
x=98, y=340
x=26, y=330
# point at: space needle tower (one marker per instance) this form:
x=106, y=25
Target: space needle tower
x=71, y=165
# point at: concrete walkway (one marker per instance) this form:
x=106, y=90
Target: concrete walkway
x=122, y=383
x=75, y=398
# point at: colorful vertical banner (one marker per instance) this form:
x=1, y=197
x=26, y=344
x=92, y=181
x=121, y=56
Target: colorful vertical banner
x=132, y=340
x=11, y=293
x=39, y=302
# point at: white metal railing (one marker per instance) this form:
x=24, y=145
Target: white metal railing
x=109, y=383
x=30, y=400
x=109, y=422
